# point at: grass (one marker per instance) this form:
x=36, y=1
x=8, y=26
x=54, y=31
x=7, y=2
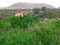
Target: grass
x=38, y=32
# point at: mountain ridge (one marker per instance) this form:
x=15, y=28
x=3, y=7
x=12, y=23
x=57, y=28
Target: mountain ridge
x=29, y=5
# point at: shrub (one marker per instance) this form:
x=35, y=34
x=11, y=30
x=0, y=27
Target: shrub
x=45, y=32
x=21, y=22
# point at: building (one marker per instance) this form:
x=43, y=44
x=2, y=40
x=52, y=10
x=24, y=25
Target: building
x=20, y=14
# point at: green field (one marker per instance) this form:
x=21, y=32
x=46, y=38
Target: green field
x=29, y=31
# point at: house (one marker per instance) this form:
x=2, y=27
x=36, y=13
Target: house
x=20, y=14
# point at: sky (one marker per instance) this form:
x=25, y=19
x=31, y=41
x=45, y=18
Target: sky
x=5, y=3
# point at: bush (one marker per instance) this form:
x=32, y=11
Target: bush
x=45, y=32
x=4, y=25
x=21, y=22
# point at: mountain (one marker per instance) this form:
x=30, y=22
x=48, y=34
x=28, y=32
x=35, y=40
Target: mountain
x=2, y=8
x=29, y=5
x=58, y=7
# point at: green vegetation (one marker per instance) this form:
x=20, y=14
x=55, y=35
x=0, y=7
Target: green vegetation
x=39, y=12
x=45, y=13
x=29, y=30
x=41, y=26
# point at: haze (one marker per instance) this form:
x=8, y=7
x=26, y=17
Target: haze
x=5, y=3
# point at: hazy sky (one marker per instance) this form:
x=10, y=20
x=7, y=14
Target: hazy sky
x=4, y=3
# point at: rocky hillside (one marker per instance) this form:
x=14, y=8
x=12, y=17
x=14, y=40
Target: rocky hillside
x=28, y=5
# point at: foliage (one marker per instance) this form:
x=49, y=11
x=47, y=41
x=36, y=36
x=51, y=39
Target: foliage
x=39, y=32
x=21, y=22
x=36, y=10
x=44, y=13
